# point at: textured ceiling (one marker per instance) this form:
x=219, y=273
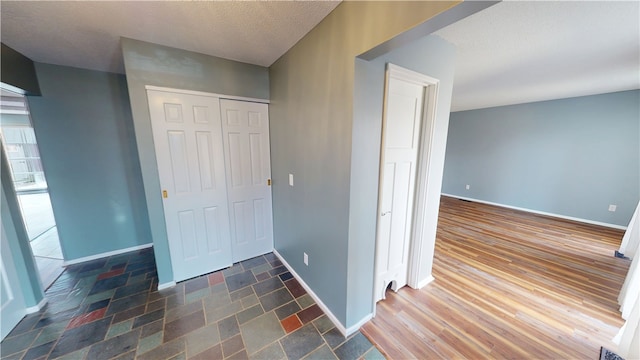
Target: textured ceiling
x=519, y=52
x=512, y=52
x=86, y=34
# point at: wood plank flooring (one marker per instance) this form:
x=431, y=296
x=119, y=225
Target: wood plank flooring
x=509, y=284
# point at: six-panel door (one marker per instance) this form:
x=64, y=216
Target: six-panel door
x=188, y=141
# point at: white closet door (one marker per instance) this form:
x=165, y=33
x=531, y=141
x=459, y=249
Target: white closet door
x=401, y=143
x=245, y=127
x=189, y=150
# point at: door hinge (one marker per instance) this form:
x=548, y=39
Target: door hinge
x=165, y=194
x=268, y=182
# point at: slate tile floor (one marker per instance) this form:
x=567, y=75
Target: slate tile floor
x=110, y=309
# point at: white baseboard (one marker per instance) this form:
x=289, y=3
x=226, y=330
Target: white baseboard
x=613, y=226
x=35, y=309
x=425, y=282
x=352, y=329
x=344, y=331
x=166, y=285
x=106, y=254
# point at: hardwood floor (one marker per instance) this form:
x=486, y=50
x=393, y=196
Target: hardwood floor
x=508, y=284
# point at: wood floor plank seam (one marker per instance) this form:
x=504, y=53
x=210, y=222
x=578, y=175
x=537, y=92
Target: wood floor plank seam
x=508, y=284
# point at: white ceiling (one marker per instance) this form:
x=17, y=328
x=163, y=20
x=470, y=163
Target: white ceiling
x=525, y=51
x=512, y=52
x=86, y=34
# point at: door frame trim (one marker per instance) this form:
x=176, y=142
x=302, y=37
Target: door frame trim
x=202, y=93
x=429, y=110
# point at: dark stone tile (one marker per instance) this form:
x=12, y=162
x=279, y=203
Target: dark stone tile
x=128, y=314
x=143, y=271
x=285, y=276
x=12, y=345
x=26, y=324
x=128, y=290
x=115, y=346
x=165, y=351
x=156, y=305
x=244, y=292
x=184, y=325
x=196, y=284
x=228, y=327
x=93, y=265
x=270, y=257
x=263, y=276
x=109, y=283
x=98, y=305
x=301, y=342
x=334, y=338
x=127, y=303
x=77, y=338
x=38, y=351
x=52, y=318
x=267, y=286
x=253, y=262
x=286, y=310
x=353, y=348
x=143, y=265
x=214, y=352
x=152, y=328
x=232, y=345
x=118, y=266
x=250, y=313
x=131, y=355
x=295, y=288
x=242, y=355
x=238, y=281
x=148, y=318
x=310, y=313
x=275, y=299
x=277, y=271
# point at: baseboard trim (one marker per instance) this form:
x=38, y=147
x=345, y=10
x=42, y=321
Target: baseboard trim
x=38, y=307
x=344, y=331
x=358, y=325
x=106, y=254
x=613, y=226
x=166, y=285
x=425, y=282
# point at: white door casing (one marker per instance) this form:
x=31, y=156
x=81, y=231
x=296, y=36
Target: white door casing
x=12, y=304
x=403, y=115
x=189, y=151
x=245, y=127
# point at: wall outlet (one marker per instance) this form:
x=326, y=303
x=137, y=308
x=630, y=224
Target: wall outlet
x=612, y=208
x=306, y=259
x=290, y=179
x=468, y=187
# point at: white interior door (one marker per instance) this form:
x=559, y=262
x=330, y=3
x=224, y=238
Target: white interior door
x=188, y=142
x=12, y=305
x=401, y=142
x=245, y=127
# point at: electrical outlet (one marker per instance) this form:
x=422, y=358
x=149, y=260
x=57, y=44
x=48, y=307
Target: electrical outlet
x=612, y=208
x=306, y=259
x=290, y=179
x=468, y=187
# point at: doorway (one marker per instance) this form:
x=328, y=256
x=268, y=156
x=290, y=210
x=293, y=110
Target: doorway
x=20, y=145
x=407, y=133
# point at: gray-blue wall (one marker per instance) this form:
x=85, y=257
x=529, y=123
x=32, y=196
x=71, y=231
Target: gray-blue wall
x=571, y=157
x=365, y=159
x=84, y=130
x=150, y=64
